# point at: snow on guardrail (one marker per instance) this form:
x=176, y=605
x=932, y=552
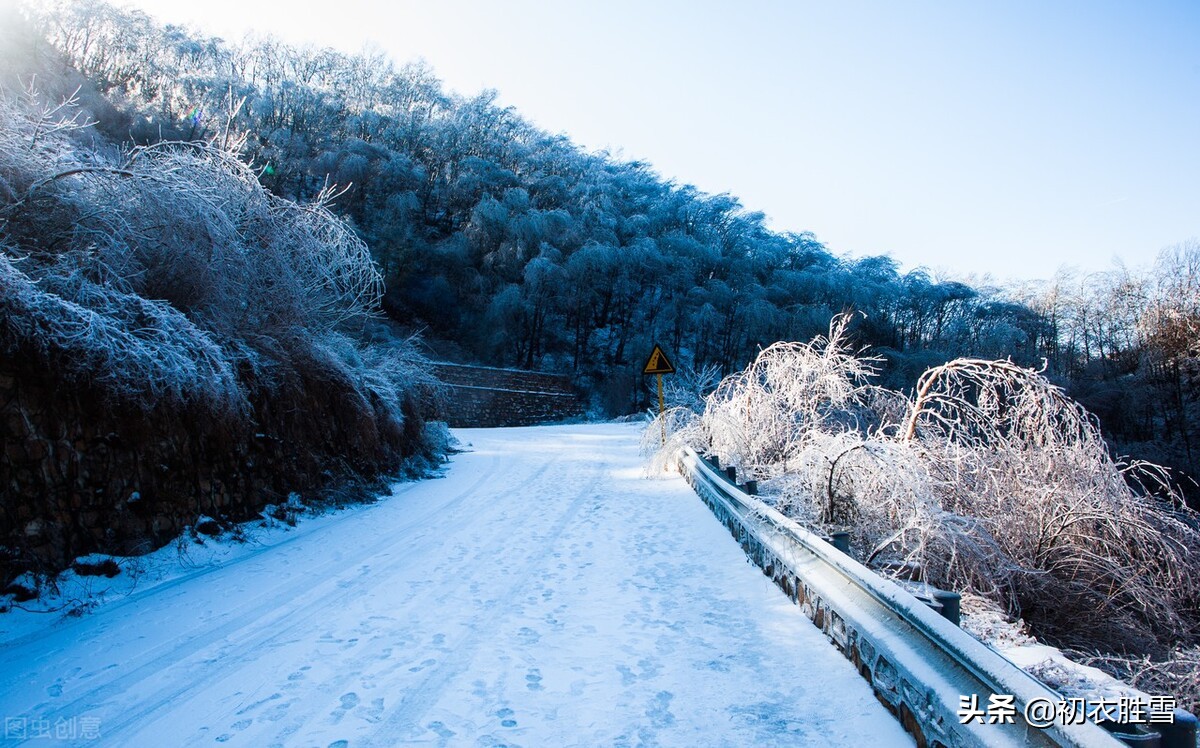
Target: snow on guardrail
x=920, y=665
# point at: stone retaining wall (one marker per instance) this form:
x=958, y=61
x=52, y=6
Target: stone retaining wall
x=479, y=396
x=79, y=474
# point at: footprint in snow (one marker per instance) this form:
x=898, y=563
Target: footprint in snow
x=628, y=678
x=422, y=666
x=375, y=712
x=348, y=702
x=260, y=702
x=533, y=680
x=505, y=716
x=277, y=712
x=650, y=668
x=659, y=711
x=527, y=636
x=340, y=744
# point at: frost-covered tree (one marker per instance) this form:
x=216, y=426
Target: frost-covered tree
x=986, y=478
x=455, y=196
x=181, y=233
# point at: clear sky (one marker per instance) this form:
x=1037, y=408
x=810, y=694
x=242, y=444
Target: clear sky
x=1005, y=137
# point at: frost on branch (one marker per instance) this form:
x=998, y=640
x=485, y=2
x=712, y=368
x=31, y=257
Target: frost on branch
x=159, y=272
x=988, y=478
x=1094, y=548
x=135, y=349
x=761, y=419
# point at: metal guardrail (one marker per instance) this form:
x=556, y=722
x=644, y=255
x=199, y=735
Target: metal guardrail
x=918, y=663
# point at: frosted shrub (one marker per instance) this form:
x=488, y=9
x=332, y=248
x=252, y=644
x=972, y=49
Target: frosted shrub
x=135, y=349
x=160, y=273
x=681, y=427
x=762, y=417
x=1089, y=542
x=688, y=387
x=1178, y=673
x=988, y=479
x=167, y=278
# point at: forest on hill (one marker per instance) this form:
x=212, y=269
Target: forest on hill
x=507, y=245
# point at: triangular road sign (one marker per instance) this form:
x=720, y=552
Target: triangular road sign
x=658, y=363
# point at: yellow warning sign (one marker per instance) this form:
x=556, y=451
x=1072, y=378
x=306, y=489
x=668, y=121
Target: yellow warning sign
x=658, y=363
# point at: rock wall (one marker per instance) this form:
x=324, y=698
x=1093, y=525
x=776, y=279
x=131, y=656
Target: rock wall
x=479, y=396
x=79, y=474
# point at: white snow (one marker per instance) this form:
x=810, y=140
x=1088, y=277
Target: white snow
x=544, y=592
x=987, y=623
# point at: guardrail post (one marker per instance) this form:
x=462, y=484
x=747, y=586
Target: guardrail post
x=1181, y=733
x=731, y=474
x=751, y=487
x=841, y=541
x=951, y=604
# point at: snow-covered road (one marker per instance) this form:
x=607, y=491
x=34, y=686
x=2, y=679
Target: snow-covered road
x=542, y=593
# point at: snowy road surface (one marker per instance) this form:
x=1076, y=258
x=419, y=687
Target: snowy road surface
x=543, y=593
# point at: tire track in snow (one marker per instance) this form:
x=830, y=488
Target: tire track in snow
x=510, y=515
x=137, y=595
x=496, y=512
x=402, y=721
x=258, y=618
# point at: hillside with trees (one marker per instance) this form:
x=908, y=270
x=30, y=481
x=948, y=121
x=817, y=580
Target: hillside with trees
x=510, y=246
x=456, y=218
x=175, y=340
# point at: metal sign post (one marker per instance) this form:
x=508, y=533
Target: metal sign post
x=658, y=364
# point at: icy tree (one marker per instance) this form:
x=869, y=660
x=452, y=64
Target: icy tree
x=167, y=275
x=987, y=478
x=1087, y=542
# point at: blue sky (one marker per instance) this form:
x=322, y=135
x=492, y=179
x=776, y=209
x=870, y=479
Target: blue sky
x=1009, y=138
